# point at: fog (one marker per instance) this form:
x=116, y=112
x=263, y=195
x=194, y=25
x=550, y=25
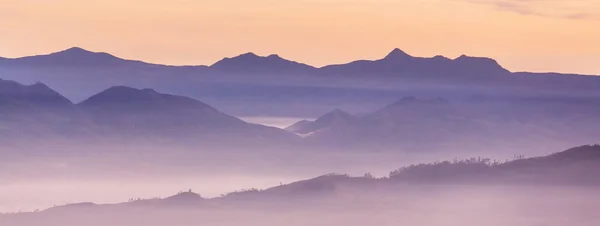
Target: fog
x=38, y=178
x=30, y=195
x=406, y=205
x=279, y=122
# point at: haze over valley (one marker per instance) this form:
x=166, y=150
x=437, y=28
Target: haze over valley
x=549, y=190
x=182, y=126
x=296, y=112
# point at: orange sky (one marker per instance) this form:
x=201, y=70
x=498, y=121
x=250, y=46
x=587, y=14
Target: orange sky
x=523, y=35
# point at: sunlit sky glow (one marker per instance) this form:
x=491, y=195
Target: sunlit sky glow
x=523, y=35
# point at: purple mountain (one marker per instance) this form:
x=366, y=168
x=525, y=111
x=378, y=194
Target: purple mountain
x=251, y=63
x=13, y=94
x=36, y=112
x=73, y=57
x=398, y=62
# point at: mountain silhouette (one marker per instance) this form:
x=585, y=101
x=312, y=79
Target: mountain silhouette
x=397, y=55
x=142, y=99
x=77, y=70
x=335, y=118
x=252, y=63
x=73, y=57
x=38, y=94
x=147, y=112
x=400, y=63
x=395, y=62
x=33, y=111
x=36, y=111
x=428, y=124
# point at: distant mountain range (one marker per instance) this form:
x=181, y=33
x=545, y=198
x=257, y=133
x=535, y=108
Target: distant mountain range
x=31, y=113
x=249, y=84
x=396, y=62
x=72, y=57
x=489, y=103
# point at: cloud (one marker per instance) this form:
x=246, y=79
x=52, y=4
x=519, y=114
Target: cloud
x=567, y=9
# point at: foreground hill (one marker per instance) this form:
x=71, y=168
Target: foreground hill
x=574, y=167
x=554, y=190
x=571, y=168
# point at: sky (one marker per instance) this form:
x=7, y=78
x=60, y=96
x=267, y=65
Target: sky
x=523, y=35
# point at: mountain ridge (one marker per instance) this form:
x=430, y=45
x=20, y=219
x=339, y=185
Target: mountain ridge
x=87, y=58
x=36, y=111
x=250, y=62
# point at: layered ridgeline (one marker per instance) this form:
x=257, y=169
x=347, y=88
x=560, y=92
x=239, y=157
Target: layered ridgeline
x=396, y=62
x=253, y=84
x=571, y=168
x=439, y=124
x=37, y=113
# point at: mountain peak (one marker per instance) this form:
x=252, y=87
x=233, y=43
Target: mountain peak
x=37, y=93
x=123, y=95
x=275, y=56
x=397, y=54
x=76, y=49
x=440, y=57
x=76, y=57
x=249, y=54
x=334, y=116
x=78, y=52
x=479, y=64
x=252, y=63
x=466, y=58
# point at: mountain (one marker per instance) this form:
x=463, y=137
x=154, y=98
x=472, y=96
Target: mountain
x=400, y=63
x=392, y=122
x=36, y=112
x=251, y=63
x=435, y=124
x=36, y=95
x=249, y=84
x=575, y=166
x=147, y=112
x=335, y=118
x=73, y=57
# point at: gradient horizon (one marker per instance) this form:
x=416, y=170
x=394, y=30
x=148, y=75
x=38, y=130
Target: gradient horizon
x=536, y=35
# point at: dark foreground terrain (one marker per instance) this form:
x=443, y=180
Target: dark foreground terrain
x=558, y=189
